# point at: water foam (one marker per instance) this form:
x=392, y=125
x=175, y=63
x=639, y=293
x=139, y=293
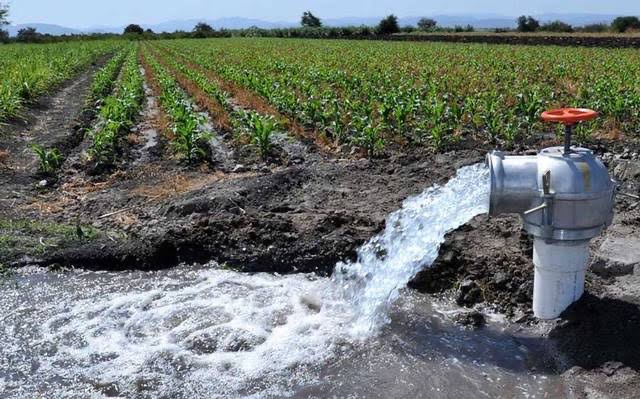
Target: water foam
x=217, y=333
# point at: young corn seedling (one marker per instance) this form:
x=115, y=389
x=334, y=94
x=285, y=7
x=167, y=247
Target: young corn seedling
x=528, y=108
x=262, y=128
x=49, y=159
x=190, y=141
x=439, y=136
x=368, y=136
x=492, y=119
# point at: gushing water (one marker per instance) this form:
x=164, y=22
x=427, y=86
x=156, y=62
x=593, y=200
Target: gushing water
x=409, y=243
x=214, y=333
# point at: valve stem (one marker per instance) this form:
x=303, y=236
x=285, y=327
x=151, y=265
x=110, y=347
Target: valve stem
x=568, y=132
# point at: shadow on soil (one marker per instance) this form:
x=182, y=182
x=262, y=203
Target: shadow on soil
x=596, y=330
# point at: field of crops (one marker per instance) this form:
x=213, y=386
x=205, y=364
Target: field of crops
x=369, y=95
x=28, y=71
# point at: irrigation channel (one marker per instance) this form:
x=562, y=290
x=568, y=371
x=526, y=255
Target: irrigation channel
x=196, y=332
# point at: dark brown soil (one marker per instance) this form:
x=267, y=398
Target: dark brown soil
x=152, y=211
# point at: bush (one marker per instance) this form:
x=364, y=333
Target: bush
x=595, y=28
x=623, y=24
x=460, y=28
x=388, y=25
x=363, y=30
x=557, y=26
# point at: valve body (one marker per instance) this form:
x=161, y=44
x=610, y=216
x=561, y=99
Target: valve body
x=565, y=199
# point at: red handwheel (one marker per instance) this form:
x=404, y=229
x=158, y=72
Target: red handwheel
x=569, y=117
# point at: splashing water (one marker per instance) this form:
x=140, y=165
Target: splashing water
x=216, y=333
x=410, y=242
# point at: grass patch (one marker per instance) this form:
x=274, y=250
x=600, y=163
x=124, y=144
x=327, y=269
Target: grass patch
x=20, y=237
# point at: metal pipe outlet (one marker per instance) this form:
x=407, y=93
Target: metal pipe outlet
x=565, y=197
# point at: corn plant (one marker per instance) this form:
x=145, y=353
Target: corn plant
x=368, y=135
x=261, y=129
x=529, y=106
x=49, y=159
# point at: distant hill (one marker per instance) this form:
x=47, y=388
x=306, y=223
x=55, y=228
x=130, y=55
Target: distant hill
x=51, y=29
x=478, y=21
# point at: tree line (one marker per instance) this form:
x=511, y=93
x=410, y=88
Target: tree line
x=528, y=24
x=312, y=26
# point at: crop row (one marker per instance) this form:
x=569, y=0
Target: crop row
x=28, y=71
x=105, y=79
x=190, y=137
x=258, y=127
x=368, y=93
x=117, y=112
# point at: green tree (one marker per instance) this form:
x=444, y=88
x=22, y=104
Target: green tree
x=527, y=24
x=28, y=35
x=203, y=30
x=427, y=24
x=4, y=12
x=623, y=24
x=133, y=28
x=388, y=25
x=310, y=21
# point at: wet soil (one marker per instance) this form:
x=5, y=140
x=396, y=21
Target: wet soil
x=300, y=215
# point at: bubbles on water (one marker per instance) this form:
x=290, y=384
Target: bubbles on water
x=224, y=335
x=216, y=333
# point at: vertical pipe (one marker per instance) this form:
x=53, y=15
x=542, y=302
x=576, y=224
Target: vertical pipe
x=560, y=269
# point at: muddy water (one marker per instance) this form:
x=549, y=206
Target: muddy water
x=209, y=332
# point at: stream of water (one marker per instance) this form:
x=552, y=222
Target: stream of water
x=206, y=332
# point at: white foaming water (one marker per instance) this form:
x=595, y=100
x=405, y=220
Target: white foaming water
x=409, y=243
x=215, y=333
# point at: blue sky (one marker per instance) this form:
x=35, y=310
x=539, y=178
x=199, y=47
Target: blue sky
x=83, y=13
